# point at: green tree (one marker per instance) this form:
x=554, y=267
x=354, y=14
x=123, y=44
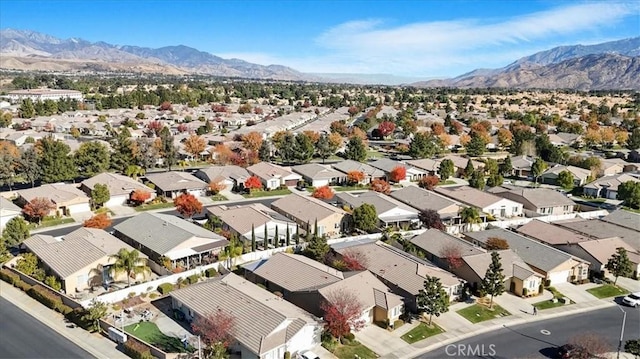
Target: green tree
x=28, y=166
x=470, y=216
x=233, y=250
x=264, y=153
x=495, y=180
x=619, y=264
x=633, y=142
x=122, y=155
x=324, y=147
x=28, y=264
x=632, y=347
x=423, y=145
x=100, y=195
x=629, y=192
x=288, y=236
x=27, y=109
x=355, y=150
x=253, y=238
x=432, y=299
x=8, y=169
x=565, y=180
x=52, y=282
x=169, y=150
x=4, y=253
x=491, y=166
x=365, y=217
x=506, y=167
x=15, y=231
x=317, y=248
x=493, y=282
x=476, y=146
x=303, y=148
x=96, y=311
x=54, y=160
x=92, y=158
x=130, y=263
x=537, y=168
x=446, y=169
x=477, y=180
x=468, y=169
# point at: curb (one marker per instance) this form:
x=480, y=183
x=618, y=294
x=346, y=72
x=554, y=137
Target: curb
x=519, y=321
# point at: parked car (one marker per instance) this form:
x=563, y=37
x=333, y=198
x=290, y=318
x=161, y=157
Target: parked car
x=309, y=355
x=632, y=300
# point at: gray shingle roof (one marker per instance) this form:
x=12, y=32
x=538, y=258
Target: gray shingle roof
x=241, y=218
x=434, y=241
x=305, y=208
x=611, y=182
x=423, y=199
x=469, y=195
x=175, y=181
x=117, y=184
x=257, y=312
x=508, y=258
x=381, y=202
x=532, y=252
x=8, y=208
x=350, y=165
x=219, y=173
x=294, y=272
x=538, y=197
x=317, y=171
x=162, y=232
x=624, y=218
x=550, y=234
x=601, y=229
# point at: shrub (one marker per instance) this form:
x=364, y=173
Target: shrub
x=547, y=282
x=136, y=350
x=541, y=289
x=22, y=285
x=287, y=355
x=8, y=276
x=143, y=295
x=211, y=272
x=193, y=279
x=116, y=307
x=350, y=336
x=153, y=295
x=46, y=297
x=131, y=294
x=65, y=309
x=525, y=292
x=165, y=288
x=75, y=316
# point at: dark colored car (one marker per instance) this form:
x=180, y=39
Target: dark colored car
x=567, y=351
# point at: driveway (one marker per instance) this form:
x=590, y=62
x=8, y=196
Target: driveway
x=380, y=340
x=577, y=293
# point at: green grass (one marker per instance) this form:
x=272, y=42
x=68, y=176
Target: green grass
x=104, y=210
x=548, y=304
x=447, y=182
x=218, y=197
x=148, y=207
x=349, y=188
x=51, y=222
x=607, y=290
x=631, y=209
x=349, y=351
x=150, y=333
x=275, y=192
x=422, y=331
x=374, y=154
x=479, y=313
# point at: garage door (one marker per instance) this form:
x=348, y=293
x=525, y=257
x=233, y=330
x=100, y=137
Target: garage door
x=559, y=277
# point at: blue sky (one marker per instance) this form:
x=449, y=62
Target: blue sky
x=406, y=38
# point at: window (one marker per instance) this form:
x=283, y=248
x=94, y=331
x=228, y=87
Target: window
x=395, y=311
x=532, y=284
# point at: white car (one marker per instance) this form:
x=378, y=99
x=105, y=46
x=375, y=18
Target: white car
x=309, y=355
x=632, y=300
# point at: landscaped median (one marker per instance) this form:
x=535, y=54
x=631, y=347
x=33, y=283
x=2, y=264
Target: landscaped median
x=480, y=312
x=607, y=290
x=422, y=331
x=558, y=300
x=274, y=192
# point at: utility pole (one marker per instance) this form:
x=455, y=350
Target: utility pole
x=624, y=320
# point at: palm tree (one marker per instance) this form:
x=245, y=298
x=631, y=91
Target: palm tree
x=470, y=216
x=232, y=250
x=130, y=263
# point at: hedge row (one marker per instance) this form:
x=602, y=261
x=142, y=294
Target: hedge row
x=49, y=299
x=165, y=288
x=136, y=350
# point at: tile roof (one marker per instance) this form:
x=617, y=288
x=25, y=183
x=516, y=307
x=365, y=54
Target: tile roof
x=601, y=229
x=241, y=218
x=163, y=232
x=306, y=208
x=381, y=202
x=611, y=182
x=422, y=199
x=175, y=181
x=426, y=164
x=350, y=165
x=532, y=252
x=220, y=173
x=522, y=162
x=550, y=234
x=59, y=193
x=7, y=207
x=263, y=321
x=266, y=170
x=369, y=290
x=538, y=197
x=317, y=171
x=117, y=184
x=509, y=260
x=434, y=241
x=603, y=249
x=624, y=218
x=469, y=195
x=295, y=273
x=577, y=172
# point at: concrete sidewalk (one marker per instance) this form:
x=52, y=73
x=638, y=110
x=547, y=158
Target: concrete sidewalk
x=95, y=344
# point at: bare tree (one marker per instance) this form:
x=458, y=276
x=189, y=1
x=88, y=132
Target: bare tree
x=589, y=345
x=452, y=254
x=342, y=312
x=355, y=259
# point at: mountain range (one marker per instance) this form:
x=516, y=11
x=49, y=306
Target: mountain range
x=610, y=65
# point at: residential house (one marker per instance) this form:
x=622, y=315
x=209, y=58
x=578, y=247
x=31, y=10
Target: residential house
x=390, y=211
x=309, y=213
x=460, y=163
x=489, y=203
x=612, y=166
x=623, y=218
x=233, y=177
x=601, y=229
x=243, y=220
x=520, y=278
x=599, y=251
x=536, y=201
x=521, y=167
x=403, y=273
x=580, y=175
x=424, y=200
x=437, y=246
x=554, y=265
x=67, y=198
x=120, y=187
x=173, y=183
x=314, y=282
x=607, y=187
x=387, y=165
x=550, y=234
x=318, y=175
x=273, y=176
x=164, y=237
x=81, y=259
x=431, y=166
x=370, y=173
x=8, y=211
x=265, y=325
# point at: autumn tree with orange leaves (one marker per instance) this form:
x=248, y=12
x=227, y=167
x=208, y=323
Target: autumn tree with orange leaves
x=428, y=182
x=380, y=185
x=187, y=205
x=324, y=192
x=216, y=332
x=355, y=177
x=216, y=187
x=398, y=173
x=100, y=221
x=342, y=313
x=140, y=196
x=195, y=145
x=252, y=183
x=38, y=208
x=252, y=141
x=386, y=128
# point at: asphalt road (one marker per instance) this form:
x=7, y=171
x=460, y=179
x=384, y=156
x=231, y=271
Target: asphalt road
x=22, y=336
x=532, y=341
x=57, y=232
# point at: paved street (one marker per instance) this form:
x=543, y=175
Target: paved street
x=529, y=340
x=25, y=337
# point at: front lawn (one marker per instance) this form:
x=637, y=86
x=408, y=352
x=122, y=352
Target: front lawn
x=349, y=188
x=479, y=313
x=548, y=304
x=607, y=290
x=445, y=183
x=148, y=207
x=354, y=350
x=51, y=222
x=422, y=331
x=274, y=192
x=218, y=197
x=150, y=333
